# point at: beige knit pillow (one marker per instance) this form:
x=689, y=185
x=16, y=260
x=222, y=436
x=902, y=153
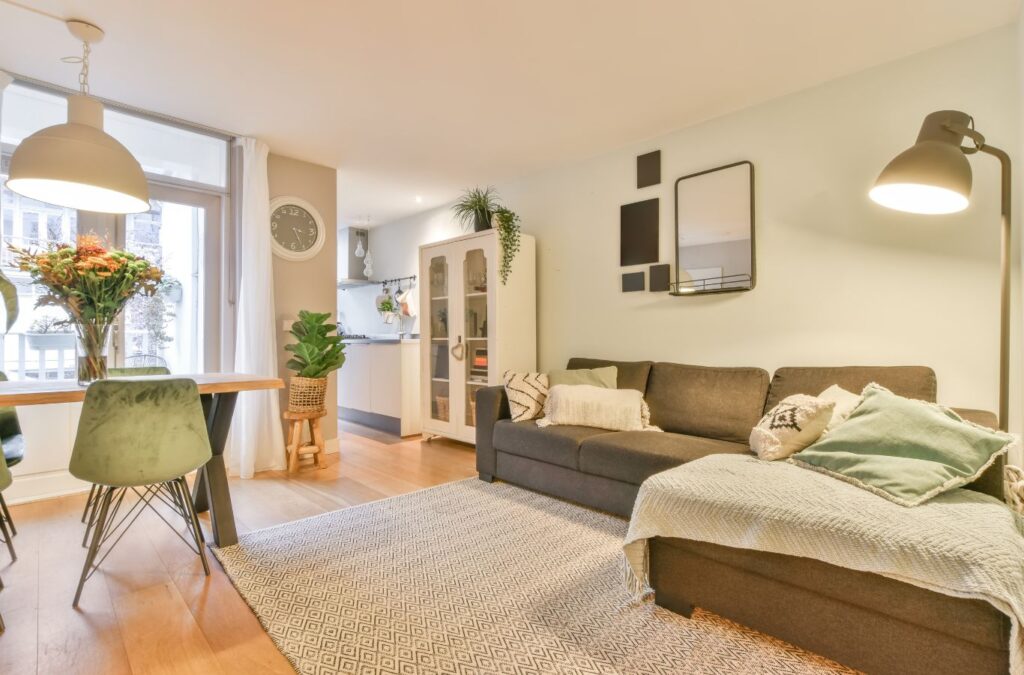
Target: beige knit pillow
x=795, y=423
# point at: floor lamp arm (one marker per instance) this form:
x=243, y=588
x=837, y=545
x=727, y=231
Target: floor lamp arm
x=1005, y=260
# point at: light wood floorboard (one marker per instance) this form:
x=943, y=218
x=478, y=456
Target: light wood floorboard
x=150, y=608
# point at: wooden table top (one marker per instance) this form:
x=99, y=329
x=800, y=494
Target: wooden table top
x=31, y=392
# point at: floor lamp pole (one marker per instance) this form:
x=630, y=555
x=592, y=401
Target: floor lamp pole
x=1004, y=291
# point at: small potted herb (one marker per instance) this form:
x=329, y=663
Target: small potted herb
x=316, y=354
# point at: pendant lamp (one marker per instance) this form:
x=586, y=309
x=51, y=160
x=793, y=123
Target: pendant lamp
x=78, y=165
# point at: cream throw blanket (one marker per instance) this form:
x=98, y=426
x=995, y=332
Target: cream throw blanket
x=961, y=543
x=589, y=406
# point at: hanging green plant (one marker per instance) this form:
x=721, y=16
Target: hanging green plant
x=508, y=236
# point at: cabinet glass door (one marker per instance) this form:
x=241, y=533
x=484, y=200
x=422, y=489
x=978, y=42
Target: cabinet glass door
x=440, y=384
x=475, y=362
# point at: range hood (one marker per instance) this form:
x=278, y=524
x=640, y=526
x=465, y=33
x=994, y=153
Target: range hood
x=350, y=266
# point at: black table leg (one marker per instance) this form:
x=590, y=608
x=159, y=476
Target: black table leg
x=210, y=492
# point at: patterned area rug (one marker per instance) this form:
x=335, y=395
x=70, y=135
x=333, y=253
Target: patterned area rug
x=472, y=577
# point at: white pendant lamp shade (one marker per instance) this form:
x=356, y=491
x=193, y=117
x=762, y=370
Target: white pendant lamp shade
x=77, y=165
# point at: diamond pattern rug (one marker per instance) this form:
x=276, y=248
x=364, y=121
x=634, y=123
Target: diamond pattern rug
x=474, y=577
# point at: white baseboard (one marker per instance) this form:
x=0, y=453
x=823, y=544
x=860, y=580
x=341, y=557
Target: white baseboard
x=38, y=486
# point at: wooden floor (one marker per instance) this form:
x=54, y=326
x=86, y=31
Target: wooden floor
x=150, y=609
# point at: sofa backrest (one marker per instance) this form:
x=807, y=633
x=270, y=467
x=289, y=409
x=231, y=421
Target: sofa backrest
x=632, y=374
x=721, y=403
x=909, y=381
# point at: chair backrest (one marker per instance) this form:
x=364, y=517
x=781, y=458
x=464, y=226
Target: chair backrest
x=9, y=424
x=145, y=361
x=5, y=474
x=140, y=432
x=137, y=371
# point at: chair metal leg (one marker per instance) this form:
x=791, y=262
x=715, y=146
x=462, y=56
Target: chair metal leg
x=4, y=513
x=101, y=522
x=193, y=522
x=89, y=503
x=5, y=534
x=1, y=616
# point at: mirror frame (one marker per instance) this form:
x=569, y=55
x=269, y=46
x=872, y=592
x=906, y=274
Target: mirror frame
x=753, y=248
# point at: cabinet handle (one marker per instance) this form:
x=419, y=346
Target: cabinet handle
x=462, y=350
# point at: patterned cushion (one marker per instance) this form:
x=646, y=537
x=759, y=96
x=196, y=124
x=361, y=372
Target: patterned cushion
x=790, y=426
x=526, y=394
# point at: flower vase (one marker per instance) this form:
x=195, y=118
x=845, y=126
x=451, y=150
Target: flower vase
x=92, y=351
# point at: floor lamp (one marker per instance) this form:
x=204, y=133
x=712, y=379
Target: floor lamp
x=932, y=177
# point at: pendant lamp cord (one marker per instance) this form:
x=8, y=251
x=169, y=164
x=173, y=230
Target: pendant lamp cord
x=83, y=75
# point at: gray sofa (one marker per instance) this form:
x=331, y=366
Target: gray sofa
x=862, y=620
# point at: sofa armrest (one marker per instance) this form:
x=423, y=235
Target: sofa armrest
x=491, y=406
x=980, y=417
x=990, y=482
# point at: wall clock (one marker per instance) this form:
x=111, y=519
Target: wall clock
x=296, y=228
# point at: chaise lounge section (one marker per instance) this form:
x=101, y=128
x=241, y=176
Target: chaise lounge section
x=863, y=620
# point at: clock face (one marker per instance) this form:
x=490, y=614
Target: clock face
x=294, y=228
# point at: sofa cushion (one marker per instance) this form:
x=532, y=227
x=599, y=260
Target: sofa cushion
x=909, y=381
x=634, y=456
x=632, y=374
x=721, y=403
x=554, y=445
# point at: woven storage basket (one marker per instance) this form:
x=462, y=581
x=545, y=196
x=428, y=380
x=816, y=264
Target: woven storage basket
x=307, y=394
x=1013, y=477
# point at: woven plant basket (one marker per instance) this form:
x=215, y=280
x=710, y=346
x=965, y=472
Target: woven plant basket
x=307, y=395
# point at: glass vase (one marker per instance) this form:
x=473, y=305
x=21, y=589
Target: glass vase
x=93, y=338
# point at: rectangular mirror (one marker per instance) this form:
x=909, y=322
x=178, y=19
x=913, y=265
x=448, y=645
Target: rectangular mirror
x=715, y=230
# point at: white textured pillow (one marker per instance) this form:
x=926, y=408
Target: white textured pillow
x=792, y=425
x=526, y=394
x=845, y=402
x=589, y=406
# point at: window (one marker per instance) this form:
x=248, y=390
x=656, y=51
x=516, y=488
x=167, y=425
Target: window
x=188, y=179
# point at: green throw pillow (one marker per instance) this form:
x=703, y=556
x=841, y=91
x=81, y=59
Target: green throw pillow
x=904, y=450
x=597, y=377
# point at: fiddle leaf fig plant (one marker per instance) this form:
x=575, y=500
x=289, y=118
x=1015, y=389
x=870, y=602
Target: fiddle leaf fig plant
x=317, y=353
x=9, y=293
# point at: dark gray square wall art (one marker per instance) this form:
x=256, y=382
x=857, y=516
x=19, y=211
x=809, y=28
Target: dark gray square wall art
x=638, y=233
x=648, y=169
x=632, y=282
x=659, y=278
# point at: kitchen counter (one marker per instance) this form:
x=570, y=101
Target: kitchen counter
x=380, y=340
x=379, y=385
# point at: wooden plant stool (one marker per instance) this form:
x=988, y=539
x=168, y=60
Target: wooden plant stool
x=295, y=447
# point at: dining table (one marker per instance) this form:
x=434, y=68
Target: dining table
x=218, y=392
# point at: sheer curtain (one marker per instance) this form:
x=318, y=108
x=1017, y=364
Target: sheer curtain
x=256, y=441
x=5, y=80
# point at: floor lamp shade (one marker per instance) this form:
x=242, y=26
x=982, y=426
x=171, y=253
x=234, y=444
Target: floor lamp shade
x=77, y=165
x=931, y=177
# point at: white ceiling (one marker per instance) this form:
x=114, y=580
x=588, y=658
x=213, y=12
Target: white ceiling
x=425, y=97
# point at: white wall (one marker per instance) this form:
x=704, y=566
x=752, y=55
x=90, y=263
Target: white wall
x=840, y=280
x=395, y=249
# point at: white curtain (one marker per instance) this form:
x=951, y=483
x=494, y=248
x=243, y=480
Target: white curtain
x=5, y=80
x=256, y=442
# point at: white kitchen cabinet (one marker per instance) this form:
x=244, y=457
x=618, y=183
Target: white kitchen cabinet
x=472, y=327
x=379, y=385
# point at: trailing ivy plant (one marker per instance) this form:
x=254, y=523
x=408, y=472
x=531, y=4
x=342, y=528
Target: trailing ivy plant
x=508, y=235
x=477, y=205
x=317, y=353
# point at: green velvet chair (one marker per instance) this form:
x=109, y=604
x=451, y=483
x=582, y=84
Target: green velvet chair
x=90, y=503
x=5, y=482
x=13, y=448
x=139, y=437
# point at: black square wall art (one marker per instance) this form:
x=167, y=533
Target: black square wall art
x=648, y=169
x=632, y=282
x=659, y=278
x=638, y=233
